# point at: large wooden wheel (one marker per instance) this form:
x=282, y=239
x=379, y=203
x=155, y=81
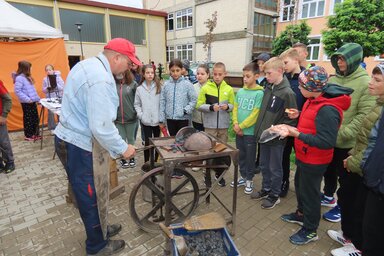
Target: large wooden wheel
x=147, y=199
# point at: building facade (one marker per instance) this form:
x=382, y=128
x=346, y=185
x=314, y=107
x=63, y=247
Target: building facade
x=315, y=13
x=100, y=23
x=244, y=29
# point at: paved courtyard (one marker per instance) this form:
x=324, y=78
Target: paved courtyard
x=36, y=220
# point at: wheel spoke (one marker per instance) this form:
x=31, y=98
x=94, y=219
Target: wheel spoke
x=152, y=212
x=174, y=192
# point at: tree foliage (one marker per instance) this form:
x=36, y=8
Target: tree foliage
x=356, y=21
x=291, y=35
x=210, y=24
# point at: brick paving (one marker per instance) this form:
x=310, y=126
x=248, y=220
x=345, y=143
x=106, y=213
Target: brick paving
x=36, y=220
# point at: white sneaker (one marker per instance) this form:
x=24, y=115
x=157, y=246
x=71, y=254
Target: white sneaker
x=240, y=182
x=348, y=250
x=338, y=237
x=248, y=187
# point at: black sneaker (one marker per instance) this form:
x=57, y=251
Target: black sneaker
x=124, y=164
x=258, y=195
x=221, y=182
x=177, y=175
x=270, y=201
x=293, y=217
x=113, y=230
x=2, y=167
x=9, y=167
x=112, y=247
x=284, y=188
x=132, y=163
x=303, y=236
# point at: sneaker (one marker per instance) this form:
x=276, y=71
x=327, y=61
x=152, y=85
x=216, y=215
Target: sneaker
x=348, y=250
x=196, y=169
x=177, y=175
x=221, y=182
x=36, y=137
x=9, y=167
x=112, y=247
x=258, y=195
x=270, y=202
x=248, y=187
x=132, y=163
x=284, y=188
x=29, y=138
x=2, y=166
x=293, y=217
x=240, y=182
x=333, y=215
x=338, y=237
x=303, y=236
x=124, y=164
x=328, y=201
x=113, y=230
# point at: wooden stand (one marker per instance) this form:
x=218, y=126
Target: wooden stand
x=115, y=188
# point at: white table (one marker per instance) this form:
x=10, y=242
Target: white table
x=53, y=105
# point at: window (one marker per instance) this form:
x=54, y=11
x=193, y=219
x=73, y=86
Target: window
x=287, y=10
x=380, y=57
x=333, y=4
x=130, y=28
x=313, y=49
x=92, y=29
x=184, y=51
x=41, y=13
x=170, y=22
x=312, y=8
x=184, y=18
x=266, y=4
x=263, y=30
x=170, y=53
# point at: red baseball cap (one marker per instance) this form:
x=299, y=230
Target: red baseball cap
x=123, y=46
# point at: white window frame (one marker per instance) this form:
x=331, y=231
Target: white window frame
x=289, y=6
x=188, y=48
x=309, y=2
x=332, y=7
x=170, y=49
x=184, y=14
x=311, y=47
x=171, y=16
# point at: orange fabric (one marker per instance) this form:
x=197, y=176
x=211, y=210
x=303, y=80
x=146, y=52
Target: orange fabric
x=39, y=53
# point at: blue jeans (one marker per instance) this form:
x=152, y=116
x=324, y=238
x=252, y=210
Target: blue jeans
x=80, y=174
x=246, y=144
x=271, y=167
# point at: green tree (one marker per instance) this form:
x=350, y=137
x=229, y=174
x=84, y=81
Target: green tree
x=291, y=35
x=356, y=21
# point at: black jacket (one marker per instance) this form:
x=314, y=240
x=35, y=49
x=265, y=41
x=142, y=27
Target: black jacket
x=272, y=112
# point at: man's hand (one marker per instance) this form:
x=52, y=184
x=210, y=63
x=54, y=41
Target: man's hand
x=292, y=113
x=237, y=129
x=130, y=152
x=161, y=125
x=3, y=120
x=216, y=107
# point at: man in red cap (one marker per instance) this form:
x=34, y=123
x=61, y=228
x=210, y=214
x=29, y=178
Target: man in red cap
x=88, y=111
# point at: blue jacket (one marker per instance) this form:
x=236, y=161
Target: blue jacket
x=89, y=107
x=25, y=90
x=177, y=100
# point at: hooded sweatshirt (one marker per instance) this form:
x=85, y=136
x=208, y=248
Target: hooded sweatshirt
x=58, y=91
x=318, y=124
x=357, y=79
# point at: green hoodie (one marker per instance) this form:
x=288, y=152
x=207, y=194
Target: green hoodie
x=357, y=79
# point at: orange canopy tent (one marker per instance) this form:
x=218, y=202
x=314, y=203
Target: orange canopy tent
x=16, y=26
x=39, y=53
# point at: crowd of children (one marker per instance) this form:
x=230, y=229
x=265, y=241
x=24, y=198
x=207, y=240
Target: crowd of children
x=333, y=123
